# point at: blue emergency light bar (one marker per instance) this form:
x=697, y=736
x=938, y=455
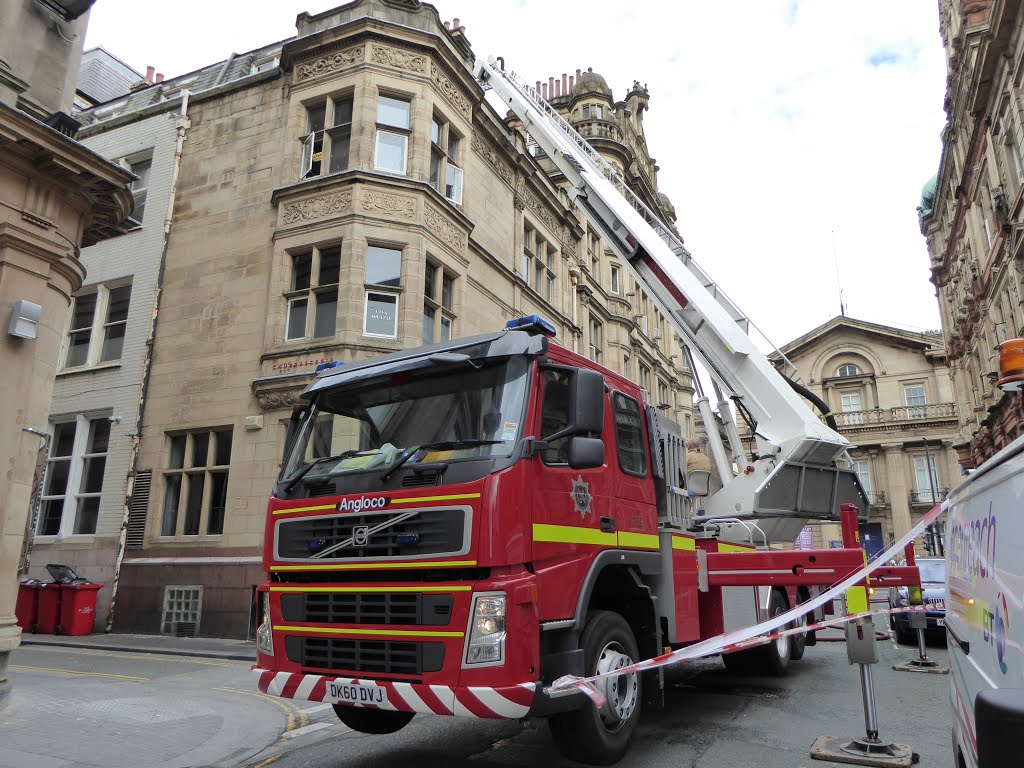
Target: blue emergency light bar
x=328, y=365
x=531, y=324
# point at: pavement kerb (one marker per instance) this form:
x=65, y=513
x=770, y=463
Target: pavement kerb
x=196, y=653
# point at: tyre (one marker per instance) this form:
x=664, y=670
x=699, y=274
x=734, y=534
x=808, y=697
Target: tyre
x=905, y=636
x=770, y=659
x=601, y=736
x=375, y=721
x=798, y=643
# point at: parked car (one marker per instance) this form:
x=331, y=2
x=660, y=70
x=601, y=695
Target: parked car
x=933, y=587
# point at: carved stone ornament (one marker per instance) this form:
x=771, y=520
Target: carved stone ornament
x=531, y=201
x=393, y=57
x=317, y=207
x=447, y=232
x=278, y=399
x=490, y=154
x=450, y=90
x=333, y=62
x=391, y=205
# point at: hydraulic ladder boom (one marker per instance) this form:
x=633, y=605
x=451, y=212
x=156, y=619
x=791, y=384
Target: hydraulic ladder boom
x=794, y=475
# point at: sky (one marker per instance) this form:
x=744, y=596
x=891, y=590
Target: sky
x=792, y=136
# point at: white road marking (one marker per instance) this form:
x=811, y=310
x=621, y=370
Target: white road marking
x=307, y=729
x=317, y=708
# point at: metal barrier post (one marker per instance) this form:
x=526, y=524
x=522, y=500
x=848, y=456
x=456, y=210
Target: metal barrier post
x=862, y=650
x=918, y=622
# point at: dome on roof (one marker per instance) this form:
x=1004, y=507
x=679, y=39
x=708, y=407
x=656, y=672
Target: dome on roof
x=928, y=197
x=591, y=82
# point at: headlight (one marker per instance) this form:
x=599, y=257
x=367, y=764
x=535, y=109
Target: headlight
x=485, y=644
x=264, y=635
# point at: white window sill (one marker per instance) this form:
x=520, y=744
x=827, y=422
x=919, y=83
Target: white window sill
x=89, y=368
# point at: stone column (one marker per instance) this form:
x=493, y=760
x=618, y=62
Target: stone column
x=898, y=489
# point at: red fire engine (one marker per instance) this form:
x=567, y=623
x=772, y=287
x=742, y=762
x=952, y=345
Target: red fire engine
x=459, y=525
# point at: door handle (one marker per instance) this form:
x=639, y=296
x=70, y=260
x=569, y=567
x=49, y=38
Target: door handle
x=608, y=524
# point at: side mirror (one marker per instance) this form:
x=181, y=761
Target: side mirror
x=999, y=717
x=586, y=452
x=587, y=407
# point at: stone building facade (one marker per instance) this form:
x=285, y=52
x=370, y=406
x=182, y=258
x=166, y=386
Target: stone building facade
x=892, y=398
x=346, y=193
x=96, y=411
x=971, y=215
x=55, y=197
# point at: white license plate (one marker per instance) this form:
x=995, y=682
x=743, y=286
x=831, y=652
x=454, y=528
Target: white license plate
x=940, y=622
x=357, y=693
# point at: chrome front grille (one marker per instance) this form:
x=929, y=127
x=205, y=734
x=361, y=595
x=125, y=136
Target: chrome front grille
x=399, y=533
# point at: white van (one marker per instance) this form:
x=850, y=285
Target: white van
x=985, y=612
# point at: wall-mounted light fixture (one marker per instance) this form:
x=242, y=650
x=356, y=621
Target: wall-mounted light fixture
x=25, y=320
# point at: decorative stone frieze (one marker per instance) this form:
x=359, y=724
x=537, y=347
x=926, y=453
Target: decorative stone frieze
x=448, y=233
x=536, y=206
x=389, y=205
x=277, y=399
x=393, y=57
x=451, y=91
x=316, y=207
x=334, y=62
x=494, y=160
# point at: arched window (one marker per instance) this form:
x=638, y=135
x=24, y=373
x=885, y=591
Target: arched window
x=848, y=370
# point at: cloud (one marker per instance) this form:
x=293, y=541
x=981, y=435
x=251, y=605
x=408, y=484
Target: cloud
x=773, y=122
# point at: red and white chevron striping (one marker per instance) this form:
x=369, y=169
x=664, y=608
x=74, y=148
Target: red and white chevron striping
x=511, y=702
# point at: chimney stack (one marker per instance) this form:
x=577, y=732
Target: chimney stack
x=159, y=77
x=447, y=25
x=149, y=74
x=565, y=84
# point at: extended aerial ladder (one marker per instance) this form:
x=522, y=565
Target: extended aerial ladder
x=794, y=475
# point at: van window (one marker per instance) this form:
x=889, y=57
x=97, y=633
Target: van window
x=629, y=434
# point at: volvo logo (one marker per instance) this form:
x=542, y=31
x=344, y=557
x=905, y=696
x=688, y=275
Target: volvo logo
x=360, y=535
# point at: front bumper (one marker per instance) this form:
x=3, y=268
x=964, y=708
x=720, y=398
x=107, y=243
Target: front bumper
x=509, y=702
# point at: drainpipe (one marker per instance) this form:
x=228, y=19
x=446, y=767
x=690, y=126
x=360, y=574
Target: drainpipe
x=574, y=277
x=182, y=126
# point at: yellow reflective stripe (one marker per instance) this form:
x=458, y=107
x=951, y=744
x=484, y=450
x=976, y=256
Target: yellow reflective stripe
x=453, y=497
x=684, y=543
x=338, y=631
x=639, y=540
x=570, y=534
x=723, y=547
x=370, y=589
x=369, y=566
x=317, y=508
x=857, y=600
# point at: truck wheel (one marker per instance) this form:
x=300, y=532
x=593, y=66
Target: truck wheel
x=769, y=659
x=601, y=736
x=798, y=643
x=375, y=721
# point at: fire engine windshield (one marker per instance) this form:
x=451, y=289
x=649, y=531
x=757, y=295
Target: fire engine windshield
x=408, y=418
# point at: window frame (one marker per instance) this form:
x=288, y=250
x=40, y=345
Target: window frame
x=387, y=129
x=539, y=268
x=916, y=410
x=141, y=192
x=596, y=329
x=615, y=395
x=99, y=328
x=440, y=302
x=330, y=133
x=188, y=470
x=615, y=279
x=447, y=158
x=383, y=289
x=855, y=368
x=76, y=476
x=311, y=292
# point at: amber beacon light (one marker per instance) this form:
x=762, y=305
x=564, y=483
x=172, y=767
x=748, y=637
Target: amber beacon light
x=1011, y=365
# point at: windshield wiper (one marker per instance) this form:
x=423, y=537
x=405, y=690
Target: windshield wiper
x=339, y=457
x=439, y=446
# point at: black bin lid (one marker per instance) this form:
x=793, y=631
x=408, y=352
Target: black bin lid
x=62, y=574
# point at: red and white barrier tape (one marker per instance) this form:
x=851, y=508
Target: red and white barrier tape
x=757, y=634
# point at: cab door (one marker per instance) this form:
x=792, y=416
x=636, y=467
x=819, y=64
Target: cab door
x=574, y=515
